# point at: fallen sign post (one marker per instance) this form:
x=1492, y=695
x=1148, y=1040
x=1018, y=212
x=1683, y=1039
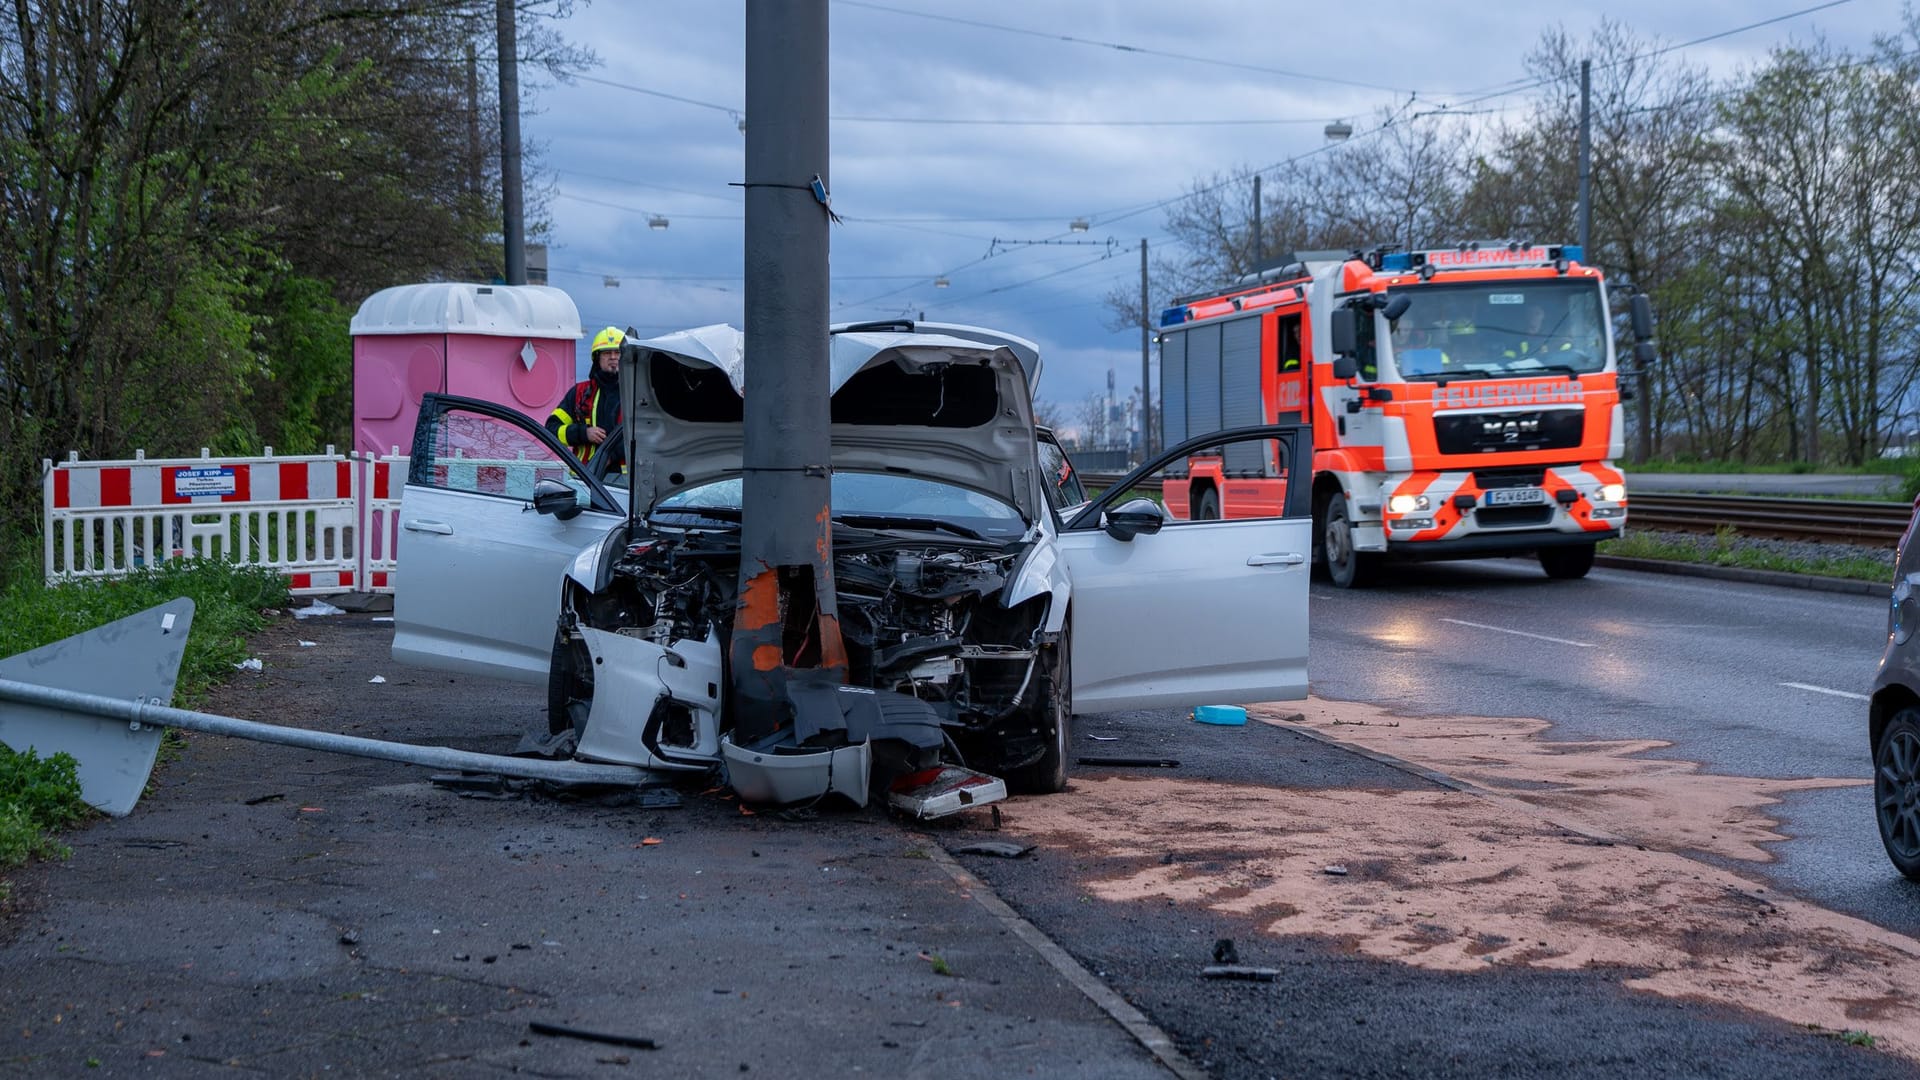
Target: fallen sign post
x=114, y=736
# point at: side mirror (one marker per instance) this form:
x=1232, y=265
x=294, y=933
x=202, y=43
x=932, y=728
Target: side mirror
x=1643, y=354
x=1344, y=331
x=1344, y=368
x=1397, y=306
x=1132, y=518
x=1641, y=310
x=556, y=499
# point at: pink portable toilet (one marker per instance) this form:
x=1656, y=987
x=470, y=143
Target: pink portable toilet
x=510, y=344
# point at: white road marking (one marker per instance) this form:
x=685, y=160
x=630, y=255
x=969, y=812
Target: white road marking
x=1824, y=690
x=1522, y=633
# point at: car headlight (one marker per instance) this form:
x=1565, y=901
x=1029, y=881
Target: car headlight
x=1612, y=492
x=1407, y=504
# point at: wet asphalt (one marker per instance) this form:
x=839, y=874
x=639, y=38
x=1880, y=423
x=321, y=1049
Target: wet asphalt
x=1749, y=680
x=281, y=912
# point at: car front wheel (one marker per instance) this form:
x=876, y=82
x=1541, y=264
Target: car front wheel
x=1896, y=790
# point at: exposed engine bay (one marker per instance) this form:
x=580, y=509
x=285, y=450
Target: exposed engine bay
x=940, y=671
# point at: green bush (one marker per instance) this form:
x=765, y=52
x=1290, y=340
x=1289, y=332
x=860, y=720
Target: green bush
x=37, y=796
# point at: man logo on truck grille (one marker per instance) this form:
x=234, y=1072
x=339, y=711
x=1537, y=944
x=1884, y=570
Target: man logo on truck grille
x=1478, y=395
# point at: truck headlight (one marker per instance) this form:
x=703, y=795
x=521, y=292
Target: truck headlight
x=1408, y=504
x=1613, y=492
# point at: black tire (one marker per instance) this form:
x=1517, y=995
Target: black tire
x=1207, y=507
x=569, y=685
x=1896, y=790
x=1567, y=563
x=1346, y=568
x=1053, y=714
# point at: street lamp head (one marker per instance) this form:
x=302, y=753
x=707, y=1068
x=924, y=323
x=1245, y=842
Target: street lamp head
x=941, y=283
x=1338, y=131
x=1079, y=224
x=656, y=222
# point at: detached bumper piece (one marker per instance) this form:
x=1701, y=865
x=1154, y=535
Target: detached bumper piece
x=848, y=740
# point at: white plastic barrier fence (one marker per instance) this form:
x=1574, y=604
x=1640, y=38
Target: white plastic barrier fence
x=330, y=522
x=299, y=515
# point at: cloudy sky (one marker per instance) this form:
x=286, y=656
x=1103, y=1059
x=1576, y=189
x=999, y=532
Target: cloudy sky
x=984, y=123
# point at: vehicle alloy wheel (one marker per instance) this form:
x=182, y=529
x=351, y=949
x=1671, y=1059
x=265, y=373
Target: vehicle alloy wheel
x=1567, y=563
x=1348, y=569
x=1896, y=790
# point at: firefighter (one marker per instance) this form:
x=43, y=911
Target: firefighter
x=1535, y=343
x=591, y=410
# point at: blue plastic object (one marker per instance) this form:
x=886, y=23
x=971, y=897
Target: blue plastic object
x=1228, y=715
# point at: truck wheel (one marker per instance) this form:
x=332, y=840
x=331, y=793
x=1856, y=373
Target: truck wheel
x=569, y=685
x=1053, y=714
x=1348, y=569
x=1566, y=563
x=1207, y=507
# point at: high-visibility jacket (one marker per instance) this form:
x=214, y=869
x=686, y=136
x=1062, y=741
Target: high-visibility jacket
x=588, y=404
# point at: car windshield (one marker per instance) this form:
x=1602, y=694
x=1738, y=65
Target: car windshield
x=875, y=500
x=1500, y=328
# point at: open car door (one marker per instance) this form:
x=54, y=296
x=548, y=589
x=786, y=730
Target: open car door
x=1169, y=614
x=479, y=571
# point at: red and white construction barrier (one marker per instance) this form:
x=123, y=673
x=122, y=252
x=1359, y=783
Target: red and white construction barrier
x=300, y=515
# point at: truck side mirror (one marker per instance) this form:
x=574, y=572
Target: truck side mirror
x=1397, y=306
x=1344, y=331
x=1344, y=368
x=1643, y=353
x=1641, y=310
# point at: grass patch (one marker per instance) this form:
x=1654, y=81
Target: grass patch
x=39, y=796
x=1876, y=467
x=1725, y=549
x=227, y=599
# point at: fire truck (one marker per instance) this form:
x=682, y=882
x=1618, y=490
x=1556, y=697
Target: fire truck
x=1464, y=402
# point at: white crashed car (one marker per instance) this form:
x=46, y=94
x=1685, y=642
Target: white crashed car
x=976, y=618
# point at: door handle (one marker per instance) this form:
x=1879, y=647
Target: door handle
x=1277, y=558
x=419, y=525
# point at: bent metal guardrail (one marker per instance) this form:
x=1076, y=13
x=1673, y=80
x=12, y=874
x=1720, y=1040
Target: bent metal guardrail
x=1831, y=521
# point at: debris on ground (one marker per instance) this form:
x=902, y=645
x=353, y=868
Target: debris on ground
x=1224, y=952
x=1130, y=762
x=1336, y=870
x=1104, y=738
x=317, y=609
x=258, y=799
x=309, y=644
x=998, y=848
x=1236, y=971
x=638, y=1042
x=378, y=679
x=251, y=663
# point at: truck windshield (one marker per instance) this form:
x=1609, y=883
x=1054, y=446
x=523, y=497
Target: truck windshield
x=1500, y=328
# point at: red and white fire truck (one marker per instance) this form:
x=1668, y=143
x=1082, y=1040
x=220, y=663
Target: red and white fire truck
x=1464, y=401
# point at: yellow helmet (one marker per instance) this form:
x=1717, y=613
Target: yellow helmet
x=610, y=338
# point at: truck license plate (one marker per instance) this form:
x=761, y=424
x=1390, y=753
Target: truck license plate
x=1515, y=496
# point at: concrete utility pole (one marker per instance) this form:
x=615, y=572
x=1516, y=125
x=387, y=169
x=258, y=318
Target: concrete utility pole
x=786, y=619
x=1146, y=386
x=1586, y=157
x=513, y=217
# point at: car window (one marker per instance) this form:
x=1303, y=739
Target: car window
x=878, y=495
x=1056, y=470
x=488, y=455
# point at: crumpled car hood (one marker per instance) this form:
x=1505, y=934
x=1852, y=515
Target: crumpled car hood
x=683, y=400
